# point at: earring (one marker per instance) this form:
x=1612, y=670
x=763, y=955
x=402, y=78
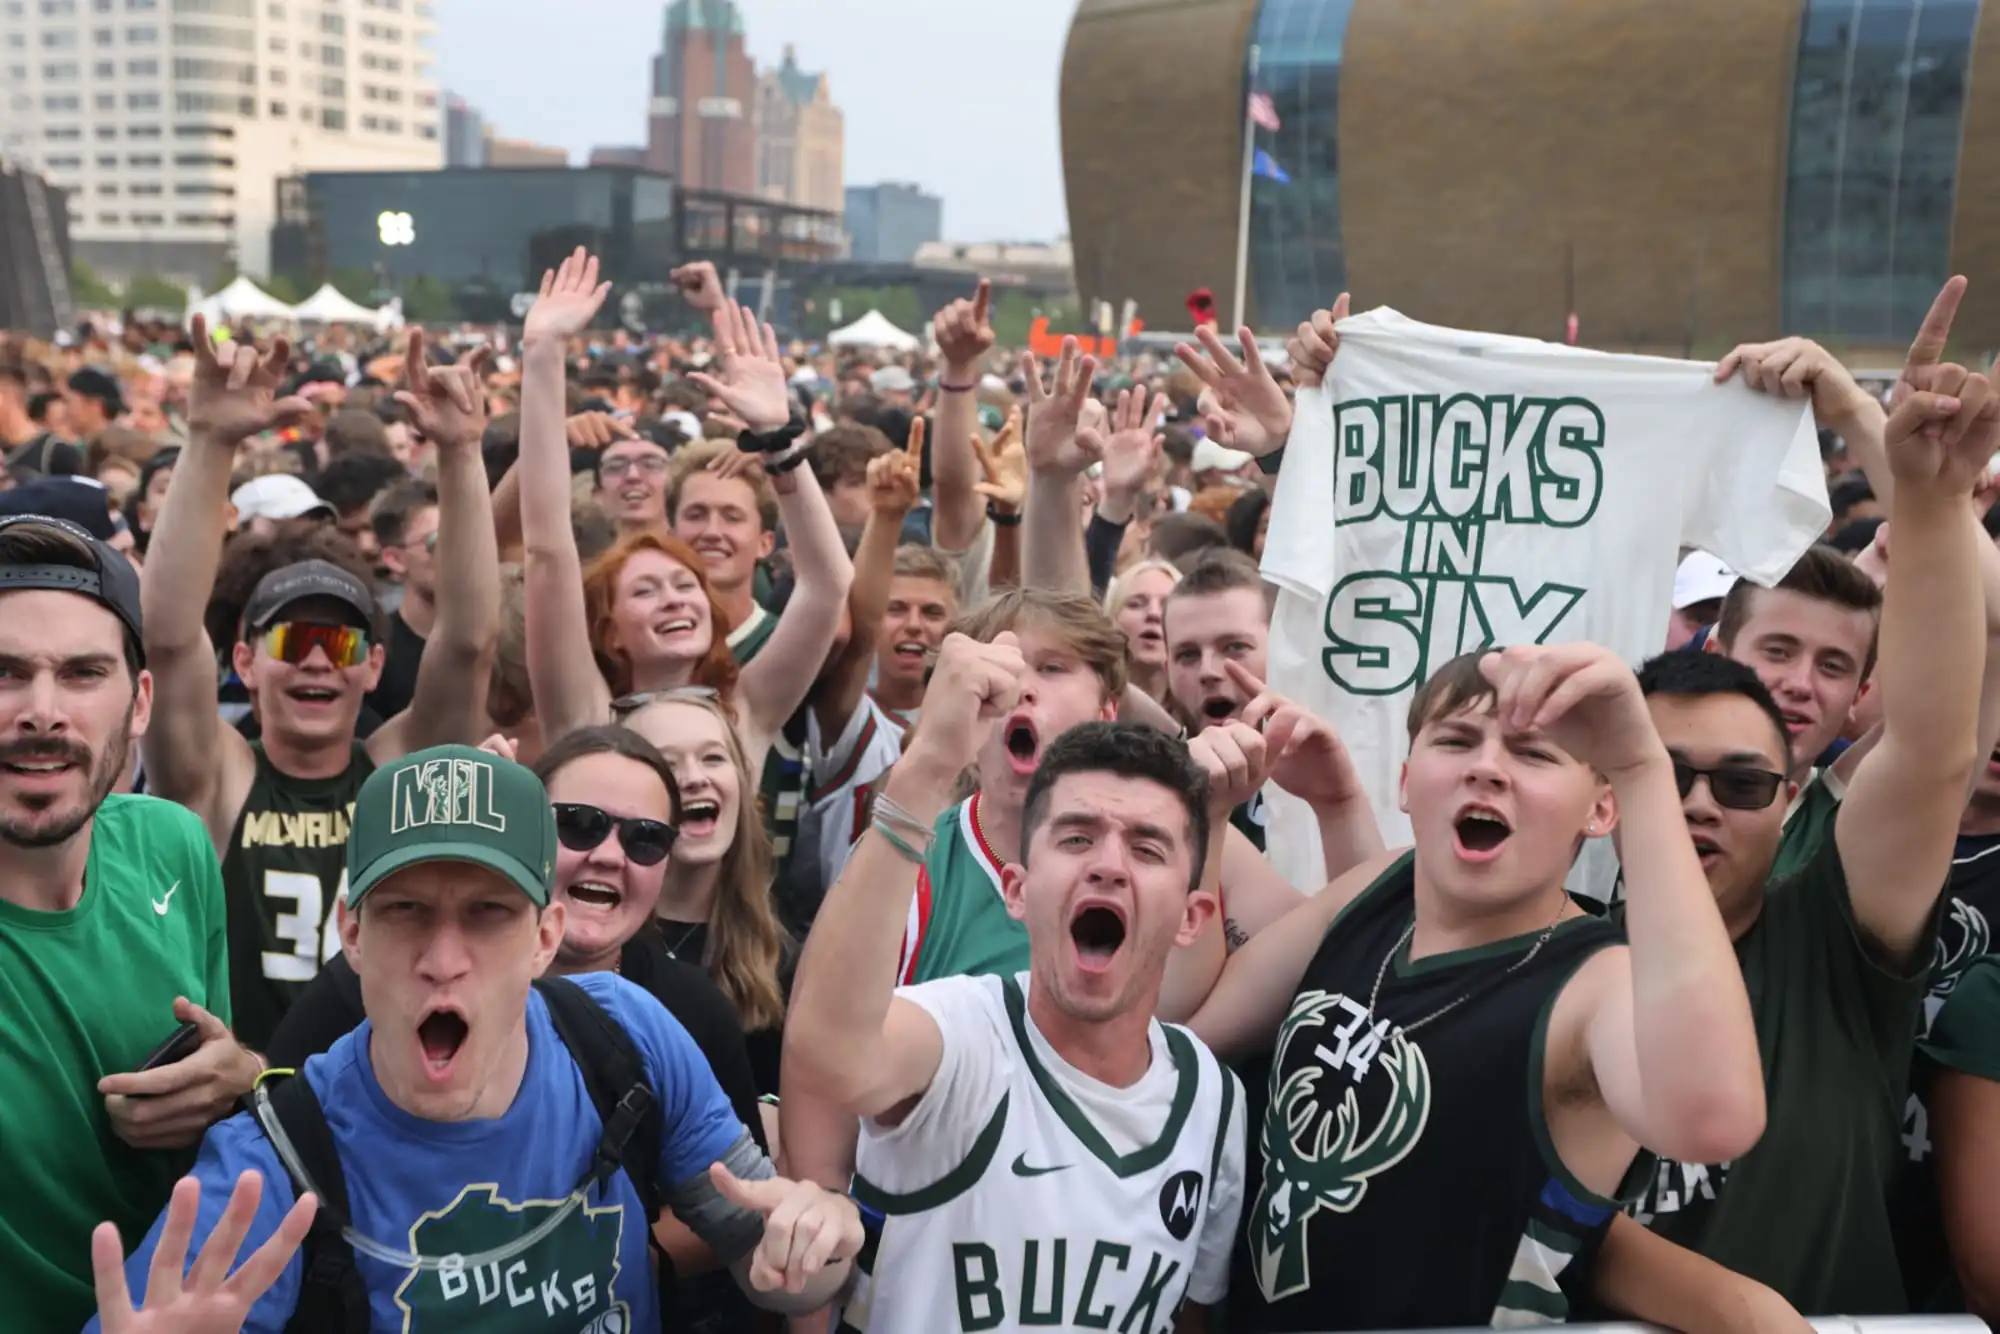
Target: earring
x=1590, y=828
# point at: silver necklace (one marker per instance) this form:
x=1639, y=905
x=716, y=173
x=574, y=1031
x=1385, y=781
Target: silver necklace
x=674, y=950
x=1410, y=931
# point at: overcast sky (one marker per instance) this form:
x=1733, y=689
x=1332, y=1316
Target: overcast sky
x=956, y=95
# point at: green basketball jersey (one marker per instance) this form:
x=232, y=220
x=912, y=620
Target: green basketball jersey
x=958, y=921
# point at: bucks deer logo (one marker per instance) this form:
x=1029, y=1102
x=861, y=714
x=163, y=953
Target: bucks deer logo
x=1964, y=937
x=1319, y=1158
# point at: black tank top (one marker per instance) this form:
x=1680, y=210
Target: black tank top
x=1408, y=1180
x=285, y=868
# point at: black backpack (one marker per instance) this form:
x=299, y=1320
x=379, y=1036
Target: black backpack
x=332, y=1298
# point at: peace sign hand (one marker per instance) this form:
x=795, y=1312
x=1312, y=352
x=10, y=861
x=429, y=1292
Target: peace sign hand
x=893, y=477
x=235, y=395
x=207, y=1298
x=1054, y=444
x=1944, y=421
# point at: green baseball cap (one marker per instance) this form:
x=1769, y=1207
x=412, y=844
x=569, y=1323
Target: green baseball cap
x=453, y=804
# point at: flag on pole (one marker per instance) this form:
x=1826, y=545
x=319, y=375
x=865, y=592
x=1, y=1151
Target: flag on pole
x=1267, y=166
x=1264, y=113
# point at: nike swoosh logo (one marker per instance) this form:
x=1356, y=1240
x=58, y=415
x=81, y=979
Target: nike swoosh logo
x=160, y=906
x=1021, y=1168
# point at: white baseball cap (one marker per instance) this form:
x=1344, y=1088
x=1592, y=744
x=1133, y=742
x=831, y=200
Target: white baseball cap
x=1701, y=578
x=1211, y=457
x=277, y=495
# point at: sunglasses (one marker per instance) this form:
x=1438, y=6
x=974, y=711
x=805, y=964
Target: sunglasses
x=1733, y=786
x=582, y=828
x=294, y=641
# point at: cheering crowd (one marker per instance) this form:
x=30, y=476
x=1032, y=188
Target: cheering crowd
x=596, y=834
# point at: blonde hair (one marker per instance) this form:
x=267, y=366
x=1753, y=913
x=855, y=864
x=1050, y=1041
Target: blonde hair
x=1114, y=595
x=745, y=941
x=697, y=456
x=1074, y=618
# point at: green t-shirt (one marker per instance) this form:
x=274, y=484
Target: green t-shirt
x=1806, y=1211
x=1807, y=826
x=88, y=993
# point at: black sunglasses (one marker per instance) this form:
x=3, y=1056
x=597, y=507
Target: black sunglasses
x=581, y=828
x=1738, y=788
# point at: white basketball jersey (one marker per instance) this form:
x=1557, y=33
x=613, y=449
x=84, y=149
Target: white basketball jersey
x=1044, y=1223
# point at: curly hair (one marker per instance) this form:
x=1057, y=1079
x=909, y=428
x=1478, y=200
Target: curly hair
x=249, y=557
x=716, y=670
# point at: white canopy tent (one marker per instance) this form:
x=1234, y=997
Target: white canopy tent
x=329, y=306
x=242, y=300
x=873, y=330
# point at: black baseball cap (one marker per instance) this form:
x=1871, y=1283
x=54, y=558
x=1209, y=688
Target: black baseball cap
x=79, y=500
x=306, y=579
x=110, y=581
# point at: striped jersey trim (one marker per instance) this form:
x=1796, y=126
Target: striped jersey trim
x=1560, y=1227
x=918, y=923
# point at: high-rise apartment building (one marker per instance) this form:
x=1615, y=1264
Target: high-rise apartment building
x=888, y=222
x=169, y=122
x=465, y=132
x=700, y=126
x=801, y=138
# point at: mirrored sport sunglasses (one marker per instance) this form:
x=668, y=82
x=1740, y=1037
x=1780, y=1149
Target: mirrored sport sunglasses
x=1733, y=786
x=582, y=828
x=294, y=641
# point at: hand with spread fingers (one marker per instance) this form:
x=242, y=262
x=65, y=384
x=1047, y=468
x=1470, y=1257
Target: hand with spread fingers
x=807, y=1228
x=1944, y=421
x=1306, y=755
x=205, y=1298
x=1251, y=412
x=1312, y=347
x=1581, y=697
x=234, y=394
x=1801, y=368
x=752, y=381
x=1132, y=449
x=1056, y=410
x=569, y=300
x=1236, y=759
x=447, y=403
x=700, y=285
x=1005, y=465
x=893, y=477
x=964, y=332
x=171, y=1107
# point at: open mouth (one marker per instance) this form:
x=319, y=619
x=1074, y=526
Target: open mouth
x=1480, y=833
x=680, y=625
x=912, y=650
x=1023, y=744
x=1795, y=723
x=712, y=550
x=1097, y=931
x=1707, y=850
x=1218, y=708
x=314, y=694
x=442, y=1036
x=635, y=495
x=595, y=894
x=699, y=818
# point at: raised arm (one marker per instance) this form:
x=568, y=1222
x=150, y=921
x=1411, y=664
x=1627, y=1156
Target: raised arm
x=568, y=689
x=1897, y=827
x=848, y=1038
x=193, y=756
x=449, y=702
x=751, y=385
x=1059, y=452
x=892, y=494
x=1247, y=410
x=964, y=335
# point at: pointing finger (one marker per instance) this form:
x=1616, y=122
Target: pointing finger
x=760, y=1197
x=415, y=363
x=982, y=300
x=915, y=449
x=1245, y=679
x=1928, y=348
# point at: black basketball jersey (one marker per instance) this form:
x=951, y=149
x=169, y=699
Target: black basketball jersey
x=285, y=868
x=1408, y=1180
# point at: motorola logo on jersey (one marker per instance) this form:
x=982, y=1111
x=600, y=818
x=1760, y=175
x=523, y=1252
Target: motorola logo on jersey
x=1180, y=1203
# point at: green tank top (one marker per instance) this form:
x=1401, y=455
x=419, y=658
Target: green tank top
x=958, y=924
x=285, y=868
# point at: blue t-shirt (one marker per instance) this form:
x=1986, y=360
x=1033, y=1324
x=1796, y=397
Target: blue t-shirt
x=462, y=1188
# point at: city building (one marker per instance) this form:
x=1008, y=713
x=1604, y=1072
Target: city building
x=34, y=253
x=1041, y=266
x=889, y=222
x=801, y=138
x=700, y=123
x=464, y=133
x=1681, y=176
x=618, y=155
x=170, y=123
x=498, y=152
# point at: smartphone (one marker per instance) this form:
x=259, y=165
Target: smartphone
x=180, y=1045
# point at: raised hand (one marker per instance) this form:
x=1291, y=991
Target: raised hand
x=1054, y=411
x=1306, y=755
x=700, y=284
x=964, y=332
x=206, y=1299
x=973, y=687
x=1251, y=413
x=893, y=477
x=1236, y=759
x=806, y=1228
x=1132, y=449
x=752, y=383
x=1944, y=421
x=1311, y=349
x=569, y=300
x=1582, y=697
x=1005, y=464
x=234, y=396
x=1800, y=368
x=448, y=403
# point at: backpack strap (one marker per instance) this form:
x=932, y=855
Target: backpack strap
x=332, y=1297
x=614, y=1074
